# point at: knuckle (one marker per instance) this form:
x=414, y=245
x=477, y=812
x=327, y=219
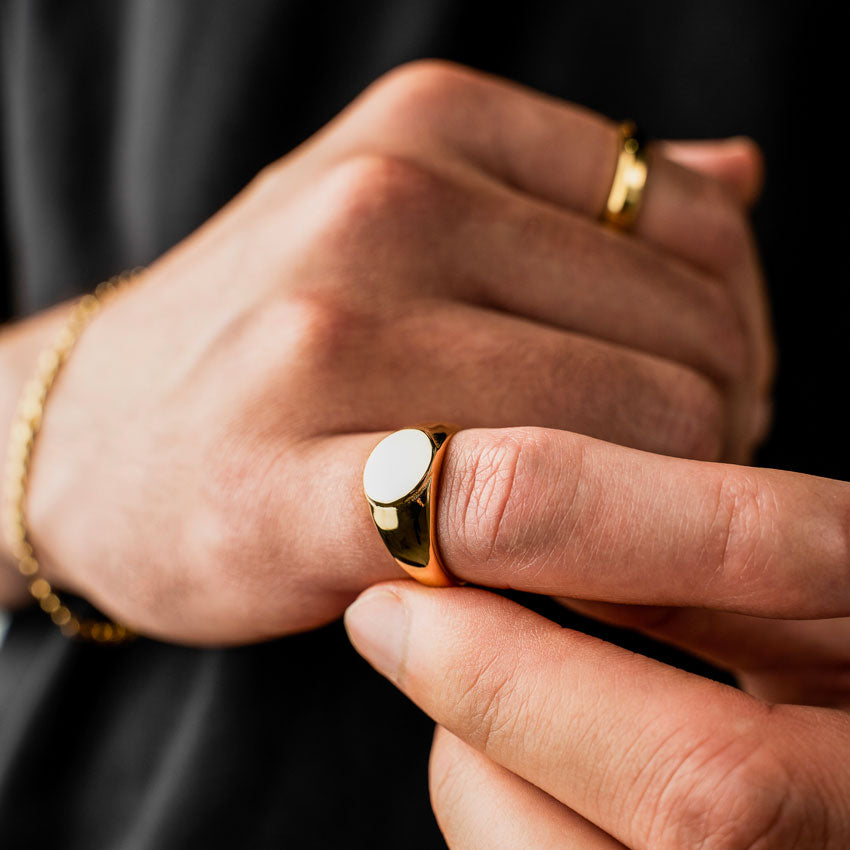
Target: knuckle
x=377, y=196
x=745, y=536
x=424, y=86
x=484, y=496
x=734, y=549
x=267, y=179
x=737, y=797
x=321, y=326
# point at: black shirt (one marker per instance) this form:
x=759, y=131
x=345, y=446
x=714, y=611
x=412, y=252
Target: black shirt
x=125, y=124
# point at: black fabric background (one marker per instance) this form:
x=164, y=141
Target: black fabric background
x=124, y=126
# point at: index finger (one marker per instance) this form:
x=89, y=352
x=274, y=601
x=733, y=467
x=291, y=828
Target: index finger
x=558, y=513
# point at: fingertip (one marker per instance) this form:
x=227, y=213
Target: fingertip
x=376, y=624
x=395, y=587
x=737, y=162
x=752, y=167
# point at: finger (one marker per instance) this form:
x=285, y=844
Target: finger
x=565, y=515
x=433, y=111
x=480, y=805
x=495, y=379
x=788, y=661
x=453, y=362
x=482, y=368
x=509, y=251
x=498, y=248
x=542, y=145
x=653, y=756
x=737, y=163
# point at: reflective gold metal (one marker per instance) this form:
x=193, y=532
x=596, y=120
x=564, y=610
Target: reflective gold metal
x=22, y=439
x=407, y=522
x=626, y=193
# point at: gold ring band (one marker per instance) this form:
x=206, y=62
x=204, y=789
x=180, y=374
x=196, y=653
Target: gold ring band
x=401, y=483
x=627, y=187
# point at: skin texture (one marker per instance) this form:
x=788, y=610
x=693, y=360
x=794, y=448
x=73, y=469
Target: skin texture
x=406, y=264
x=434, y=254
x=746, y=567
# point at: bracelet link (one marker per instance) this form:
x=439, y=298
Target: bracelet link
x=22, y=437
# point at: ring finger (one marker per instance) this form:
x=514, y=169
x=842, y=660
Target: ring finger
x=509, y=251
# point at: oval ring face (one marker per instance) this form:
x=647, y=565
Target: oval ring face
x=397, y=464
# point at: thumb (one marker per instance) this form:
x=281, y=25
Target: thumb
x=737, y=162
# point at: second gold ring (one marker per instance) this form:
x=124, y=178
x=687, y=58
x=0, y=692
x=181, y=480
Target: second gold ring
x=627, y=187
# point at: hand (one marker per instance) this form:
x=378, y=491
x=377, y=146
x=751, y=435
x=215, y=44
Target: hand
x=433, y=254
x=556, y=739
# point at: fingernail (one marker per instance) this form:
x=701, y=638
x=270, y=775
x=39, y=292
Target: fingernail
x=377, y=626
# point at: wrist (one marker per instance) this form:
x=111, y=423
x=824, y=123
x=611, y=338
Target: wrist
x=20, y=346
x=25, y=427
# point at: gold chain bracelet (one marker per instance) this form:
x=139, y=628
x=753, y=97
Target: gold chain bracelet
x=25, y=428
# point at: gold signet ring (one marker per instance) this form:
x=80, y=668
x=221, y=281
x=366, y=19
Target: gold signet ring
x=401, y=483
x=629, y=181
